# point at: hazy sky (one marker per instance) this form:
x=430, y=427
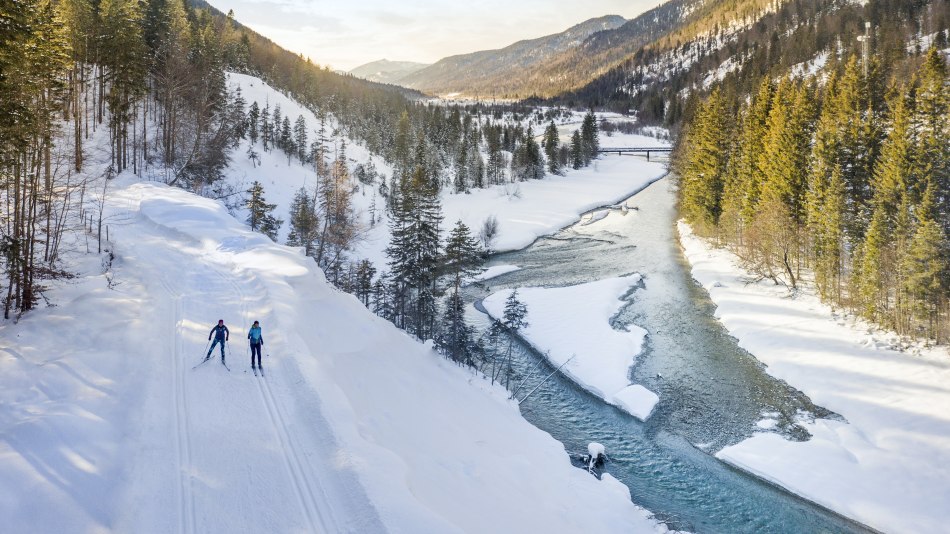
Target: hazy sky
x=348, y=33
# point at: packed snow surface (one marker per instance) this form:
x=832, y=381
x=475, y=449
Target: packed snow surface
x=105, y=426
x=888, y=466
x=572, y=325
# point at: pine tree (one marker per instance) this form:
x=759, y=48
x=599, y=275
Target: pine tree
x=495, y=164
x=527, y=163
x=932, y=130
x=780, y=216
x=742, y=186
x=414, y=253
x=552, y=145
x=456, y=338
x=589, y=140
x=340, y=227
x=259, y=212
x=124, y=57
x=513, y=321
x=253, y=120
x=304, y=223
x=363, y=287
x=703, y=167
x=925, y=265
x=577, y=150
x=300, y=138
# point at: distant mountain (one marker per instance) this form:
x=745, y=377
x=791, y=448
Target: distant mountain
x=499, y=71
x=385, y=71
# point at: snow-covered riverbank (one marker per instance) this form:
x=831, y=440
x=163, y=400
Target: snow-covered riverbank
x=888, y=466
x=571, y=327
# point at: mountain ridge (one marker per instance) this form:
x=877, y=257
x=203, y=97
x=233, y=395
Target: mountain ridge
x=479, y=72
x=386, y=71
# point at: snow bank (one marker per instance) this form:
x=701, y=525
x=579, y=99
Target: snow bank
x=888, y=466
x=572, y=324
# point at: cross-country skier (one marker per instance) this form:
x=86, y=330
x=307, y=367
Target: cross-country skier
x=221, y=335
x=257, y=341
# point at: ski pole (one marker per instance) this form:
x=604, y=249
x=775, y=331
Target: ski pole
x=206, y=347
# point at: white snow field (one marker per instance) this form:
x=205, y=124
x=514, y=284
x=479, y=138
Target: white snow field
x=105, y=426
x=572, y=324
x=888, y=466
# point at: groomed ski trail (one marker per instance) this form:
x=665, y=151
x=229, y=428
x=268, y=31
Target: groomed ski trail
x=241, y=465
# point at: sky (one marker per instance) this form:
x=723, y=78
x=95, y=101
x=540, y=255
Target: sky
x=348, y=33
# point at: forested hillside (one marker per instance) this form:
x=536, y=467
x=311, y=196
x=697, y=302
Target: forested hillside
x=150, y=78
x=838, y=171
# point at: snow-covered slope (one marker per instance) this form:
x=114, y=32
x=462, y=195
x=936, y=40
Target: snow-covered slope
x=356, y=428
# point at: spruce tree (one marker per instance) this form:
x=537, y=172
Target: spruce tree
x=577, y=150
x=702, y=170
x=304, y=223
x=925, y=265
x=414, y=253
x=552, y=145
x=456, y=338
x=589, y=133
x=300, y=138
x=259, y=212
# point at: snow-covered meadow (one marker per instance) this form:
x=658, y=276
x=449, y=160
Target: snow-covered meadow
x=888, y=464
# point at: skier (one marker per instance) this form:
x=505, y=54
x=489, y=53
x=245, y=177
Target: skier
x=221, y=335
x=257, y=341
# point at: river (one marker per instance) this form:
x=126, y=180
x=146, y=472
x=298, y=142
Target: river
x=712, y=392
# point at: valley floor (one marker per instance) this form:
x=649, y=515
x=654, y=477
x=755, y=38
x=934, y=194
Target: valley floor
x=887, y=464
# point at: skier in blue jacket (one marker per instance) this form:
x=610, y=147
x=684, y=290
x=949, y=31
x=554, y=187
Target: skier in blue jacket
x=221, y=335
x=257, y=341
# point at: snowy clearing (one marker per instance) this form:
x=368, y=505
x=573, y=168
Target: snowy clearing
x=572, y=324
x=888, y=466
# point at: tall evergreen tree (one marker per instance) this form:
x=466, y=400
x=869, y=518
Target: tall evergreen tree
x=414, y=253
x=456, y=338
x=259, y=212
x=552, y=144
x=702, y=170
x=577, y=150
x=304, y=222
x=925, y=265
x=589, y=137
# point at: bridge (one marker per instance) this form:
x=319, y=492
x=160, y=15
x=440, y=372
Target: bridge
x=636, y=150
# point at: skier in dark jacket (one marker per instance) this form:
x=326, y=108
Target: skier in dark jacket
x=221, y=335
x=257, y=341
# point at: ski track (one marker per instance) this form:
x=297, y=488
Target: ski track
x=217, y=280
x=303, y=486
x=186, y=499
